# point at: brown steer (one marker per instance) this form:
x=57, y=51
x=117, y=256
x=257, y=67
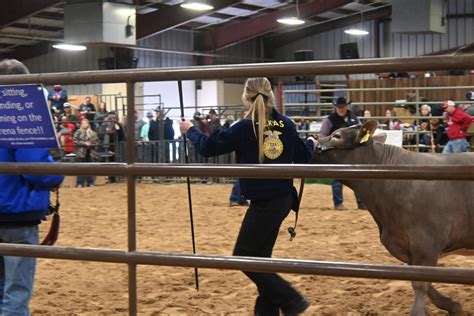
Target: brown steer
x=412, y=229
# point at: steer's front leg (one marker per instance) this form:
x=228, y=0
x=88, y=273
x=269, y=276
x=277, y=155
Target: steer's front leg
x=421, y=298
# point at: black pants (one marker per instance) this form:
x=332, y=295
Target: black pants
x=257, y=237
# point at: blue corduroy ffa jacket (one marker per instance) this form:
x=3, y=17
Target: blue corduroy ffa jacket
x=282, y=146
x=25, y=198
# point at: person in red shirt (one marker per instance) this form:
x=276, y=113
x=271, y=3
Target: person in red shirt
x=65, y=134
x=457, y=122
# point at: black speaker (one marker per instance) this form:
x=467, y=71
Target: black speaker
x=127, y=62
x=106, y=63
x=348, y=51
x=122, y=63
x=304, y=55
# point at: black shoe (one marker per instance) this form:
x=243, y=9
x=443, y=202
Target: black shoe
x=297, y=308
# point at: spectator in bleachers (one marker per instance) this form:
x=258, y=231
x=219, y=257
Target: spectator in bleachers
x=138, y=125
x=391, y=123
x=424, y=126
x=86, y=141
x=112, y=132
x=161, y=128
x=159, y=124
x=100, y=115
x=57, y=96
x=438, y=131
x=367, y=115
x=146, y=128
x=457, y=122
x=200, y=123
x=69, y=114
x=469, y=107
x=65, y=135
x=214, y=121
x=87, y=109
x=425, y=111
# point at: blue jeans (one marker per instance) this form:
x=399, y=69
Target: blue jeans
x=80, y=180
x=459, y=145
x=17, y=274
x=338, y=197
x=236, y=194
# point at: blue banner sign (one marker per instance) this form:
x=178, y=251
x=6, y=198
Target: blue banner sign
x=25, y=118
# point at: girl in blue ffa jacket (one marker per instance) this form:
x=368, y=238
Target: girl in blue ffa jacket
x=263, y=136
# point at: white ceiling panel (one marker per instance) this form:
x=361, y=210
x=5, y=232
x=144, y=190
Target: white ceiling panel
x=265, y=3
x=330, y=15
x=207, y=20
x=236, y=11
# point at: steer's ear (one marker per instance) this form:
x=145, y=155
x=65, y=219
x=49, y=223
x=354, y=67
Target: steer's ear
x=366, y=132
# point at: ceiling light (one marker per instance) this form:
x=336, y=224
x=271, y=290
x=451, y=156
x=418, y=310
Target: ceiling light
x=358, y=31
x=354, y=31
x=70, y=47
x=197, y=5
x=292, y=20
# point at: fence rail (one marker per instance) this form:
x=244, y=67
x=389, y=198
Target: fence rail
x=130, y=77
x=325, y=67
x=283, y=171
x=341, y=269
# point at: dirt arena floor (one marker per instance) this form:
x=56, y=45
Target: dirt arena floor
x=96, y=217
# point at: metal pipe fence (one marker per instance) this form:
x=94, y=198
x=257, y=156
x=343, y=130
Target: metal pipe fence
x=131, y=257
x=411, y=134
x=340, y=269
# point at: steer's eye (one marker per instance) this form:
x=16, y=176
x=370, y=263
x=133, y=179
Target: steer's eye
x=338, y=136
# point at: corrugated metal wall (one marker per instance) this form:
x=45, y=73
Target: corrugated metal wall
x=174, y=40
x=61, y=61
x=244, y=53
x=325, y=45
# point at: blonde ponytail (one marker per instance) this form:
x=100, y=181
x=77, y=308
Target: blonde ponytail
x=258, y=97
x=262, y=121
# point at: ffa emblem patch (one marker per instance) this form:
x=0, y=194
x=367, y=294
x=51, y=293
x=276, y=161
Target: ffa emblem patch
x=272, y=146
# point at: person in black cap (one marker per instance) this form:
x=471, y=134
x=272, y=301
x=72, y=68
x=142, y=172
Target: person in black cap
x=214, y=121
x=161, y=129
x=341, y=117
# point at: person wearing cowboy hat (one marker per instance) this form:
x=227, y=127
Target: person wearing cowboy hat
x=161, y=128
x=341, y=117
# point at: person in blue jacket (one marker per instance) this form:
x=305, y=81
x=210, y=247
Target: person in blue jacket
x=24, y=202
x=58, y=96
x=263, y=136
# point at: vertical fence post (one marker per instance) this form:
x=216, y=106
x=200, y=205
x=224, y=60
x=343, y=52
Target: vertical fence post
x=131, y=199
x=280, y=97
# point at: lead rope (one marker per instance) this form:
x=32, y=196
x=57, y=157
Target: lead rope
x=292, y=230
x=53, y=233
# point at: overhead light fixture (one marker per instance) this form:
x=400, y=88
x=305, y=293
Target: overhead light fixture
x=293, y=20
x=355, y=31
x=70, y=47
x=358, y=31
x=197, y=5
